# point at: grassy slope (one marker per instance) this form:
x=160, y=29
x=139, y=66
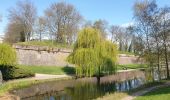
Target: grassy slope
x=158, y=94
x=121, y=95
x=68, y=70
x=49, y=69
x=12, y=85
x=131, y=66
x=45, y=43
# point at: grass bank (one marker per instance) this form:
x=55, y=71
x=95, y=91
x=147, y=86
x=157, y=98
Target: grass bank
x=121, y=95
x=45, y=43
x=12, y=85
x=131, y=66
x=158, y=94
x=49, y=69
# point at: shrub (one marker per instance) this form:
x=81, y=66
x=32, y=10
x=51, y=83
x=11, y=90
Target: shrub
x=13, y=72
x=7, y=55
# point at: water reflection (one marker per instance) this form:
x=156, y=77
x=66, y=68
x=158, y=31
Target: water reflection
x=89, y=90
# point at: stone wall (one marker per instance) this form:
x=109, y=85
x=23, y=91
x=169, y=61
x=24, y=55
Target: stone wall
x=36, y=55
x=129, y=59
x=45, y=56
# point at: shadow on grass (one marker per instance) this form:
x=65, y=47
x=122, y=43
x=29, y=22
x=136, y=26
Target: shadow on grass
x=69, y=70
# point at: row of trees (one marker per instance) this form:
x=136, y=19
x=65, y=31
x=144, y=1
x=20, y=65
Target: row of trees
x=60, y=23
x=152, y=27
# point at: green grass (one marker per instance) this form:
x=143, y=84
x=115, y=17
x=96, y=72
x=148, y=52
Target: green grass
x=121, y=95
x=131, y=66
x=45, y=43
x=158, y=94
x=49, y=69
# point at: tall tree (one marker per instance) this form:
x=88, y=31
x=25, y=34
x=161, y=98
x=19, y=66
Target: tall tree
x=101, y=25
x=24, y=15
x=40, y=28
x=63, y=21
x=153, y=26
x=93, y=55
x=143, y=12
x=165, y=33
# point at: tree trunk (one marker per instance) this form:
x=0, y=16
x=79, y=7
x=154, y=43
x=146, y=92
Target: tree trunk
x=166, y=61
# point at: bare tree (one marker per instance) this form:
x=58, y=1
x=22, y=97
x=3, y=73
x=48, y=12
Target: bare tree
x=63, y=21
x=23, y=14
x=165, y=33
x=14, y=33
x=153, y=26
x=121, y=36
x=101, y=25
x=40, y=28
x=143, y=12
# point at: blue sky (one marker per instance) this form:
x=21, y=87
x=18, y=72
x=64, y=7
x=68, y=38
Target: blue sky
x=116, y=12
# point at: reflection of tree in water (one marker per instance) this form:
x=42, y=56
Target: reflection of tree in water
x=86, y=91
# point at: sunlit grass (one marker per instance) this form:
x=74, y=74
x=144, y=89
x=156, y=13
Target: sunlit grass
x=131, y=66
x=158, y=94
x=46, y=43
x=56, y=70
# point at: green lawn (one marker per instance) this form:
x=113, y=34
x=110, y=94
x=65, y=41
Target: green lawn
x=158, y=94
x=45, y=43
x=56, y=70
x=49, y=69
x=131, y=66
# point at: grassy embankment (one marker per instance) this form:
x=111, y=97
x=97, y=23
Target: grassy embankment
x=131, y=66
x=45, y=43
x=49, y=69
x=158, y=94
x=12, y=85
x=69, y=70
x=121, y=95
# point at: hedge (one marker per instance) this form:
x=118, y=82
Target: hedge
x=13, y=72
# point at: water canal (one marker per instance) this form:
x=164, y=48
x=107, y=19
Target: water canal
x=84, y=88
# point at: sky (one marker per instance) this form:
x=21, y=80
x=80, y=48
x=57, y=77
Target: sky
x=115, y=12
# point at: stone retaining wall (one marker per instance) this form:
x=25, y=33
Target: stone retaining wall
x=47, y=56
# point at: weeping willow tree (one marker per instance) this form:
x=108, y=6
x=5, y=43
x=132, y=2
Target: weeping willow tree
x=92, y=55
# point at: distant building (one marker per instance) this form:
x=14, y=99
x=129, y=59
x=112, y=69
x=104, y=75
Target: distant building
x=1, y=38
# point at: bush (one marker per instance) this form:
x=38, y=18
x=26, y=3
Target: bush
x=13, y=72
x=7, y=55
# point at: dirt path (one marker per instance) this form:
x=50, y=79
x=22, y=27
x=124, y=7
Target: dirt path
x=142, y=92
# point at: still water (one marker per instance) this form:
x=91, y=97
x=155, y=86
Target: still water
x=80, y=89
